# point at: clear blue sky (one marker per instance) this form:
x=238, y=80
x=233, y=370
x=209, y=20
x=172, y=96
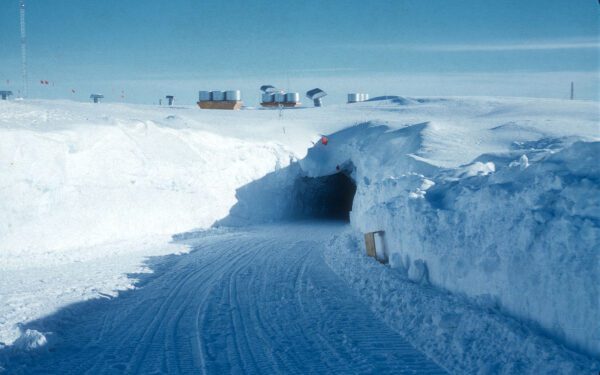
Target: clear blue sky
x=406, y=47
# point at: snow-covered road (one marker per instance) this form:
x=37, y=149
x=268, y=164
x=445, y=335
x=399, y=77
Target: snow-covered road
x=253, y=300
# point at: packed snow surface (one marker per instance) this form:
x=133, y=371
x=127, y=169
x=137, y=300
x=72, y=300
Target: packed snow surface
x=249, y=301
x=496, y=200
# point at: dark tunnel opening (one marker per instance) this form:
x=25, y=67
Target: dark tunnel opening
x=328, y=197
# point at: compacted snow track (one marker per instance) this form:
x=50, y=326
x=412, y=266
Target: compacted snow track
x=255, y=300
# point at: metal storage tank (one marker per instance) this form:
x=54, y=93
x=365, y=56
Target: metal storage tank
x=353, y=97
x=217, y=95
x=279, y=97
x=292, y=97
x=268, y=98
x=234, y=95
x=204, y=96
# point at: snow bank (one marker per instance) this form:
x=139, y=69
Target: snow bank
x=73, y=182
x=520, y=228
x=461, y=337
x=526, y=238
x=515, y=225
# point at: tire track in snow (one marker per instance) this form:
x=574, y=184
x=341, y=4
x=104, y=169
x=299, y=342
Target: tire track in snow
x=258, y=300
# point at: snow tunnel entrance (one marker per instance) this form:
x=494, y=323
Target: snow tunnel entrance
x=327, y=197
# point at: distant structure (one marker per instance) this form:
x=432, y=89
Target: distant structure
x=230, y=99
x=5, y=94
x=268, y=89
x=316, y=95
x=572, y=90
x=23, y=48
x=96, y=97
x=273, y=97
x=170, y=99
x=357, y=97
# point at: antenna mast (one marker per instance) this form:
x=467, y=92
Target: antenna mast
x=572, y=90
x=23, y=48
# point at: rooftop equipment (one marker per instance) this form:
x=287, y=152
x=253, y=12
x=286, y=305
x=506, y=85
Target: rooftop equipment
x=315, y=95
x=204, y=96
x=233, y=95
x=292, y=97
x=273, y=97
x=217, y=96
x=5, y=94
x=268, y=89
x=268, y=98
x=357, y=97
x=170, y=99
x=230, y=99
x=96, y=97
x=280, y=97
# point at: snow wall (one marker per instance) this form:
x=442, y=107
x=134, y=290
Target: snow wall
x=517, y=231
x=64, y=187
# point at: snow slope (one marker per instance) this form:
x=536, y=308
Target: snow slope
x=495, y=199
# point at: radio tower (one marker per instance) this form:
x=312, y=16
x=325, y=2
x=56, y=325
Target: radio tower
x=572, y=91
x=23, y=48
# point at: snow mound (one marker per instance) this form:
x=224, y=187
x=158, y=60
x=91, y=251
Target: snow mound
x=29, y=340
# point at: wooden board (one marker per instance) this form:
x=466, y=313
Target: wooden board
x=223, y=104
x=370, y=244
